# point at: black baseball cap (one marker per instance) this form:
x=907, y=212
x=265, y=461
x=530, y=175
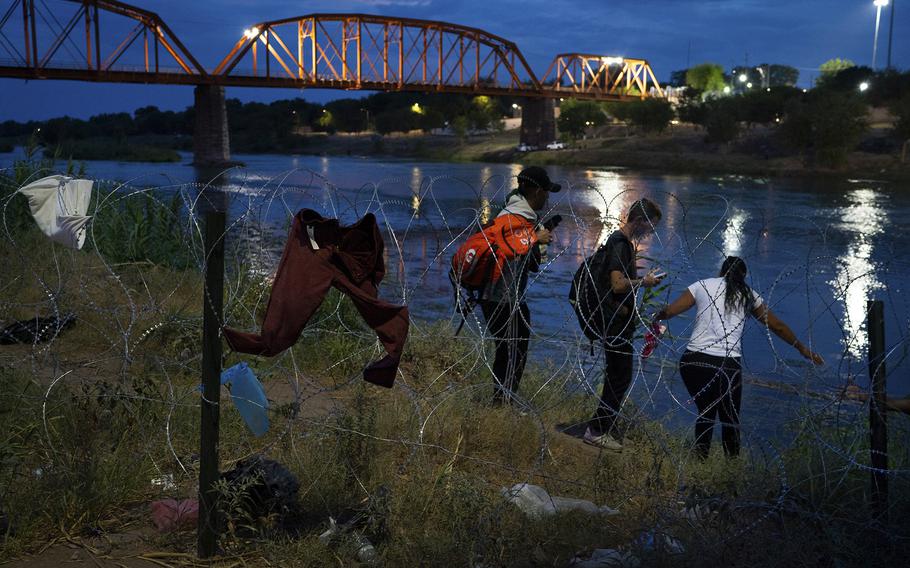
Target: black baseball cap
x=535, y=176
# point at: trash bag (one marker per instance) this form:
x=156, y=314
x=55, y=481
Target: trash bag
x=607, y=558
x=37, y=330
x=270, y=491
x=534, y=501
x=171, y=514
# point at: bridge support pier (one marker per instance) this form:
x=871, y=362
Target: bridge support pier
x=211, y=143
x=538, y=124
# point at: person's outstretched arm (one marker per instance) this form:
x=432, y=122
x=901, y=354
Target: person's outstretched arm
x=853, y=392
x=685, y=301
x=782, y=330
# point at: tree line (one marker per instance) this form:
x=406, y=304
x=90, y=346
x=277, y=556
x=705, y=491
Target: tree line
x=823, y=123
x=273, y=126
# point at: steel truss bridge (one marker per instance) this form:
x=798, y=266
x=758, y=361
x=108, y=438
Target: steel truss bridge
x=110, y=41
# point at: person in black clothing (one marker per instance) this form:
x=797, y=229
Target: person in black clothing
x=504, y=309
x=640, y=221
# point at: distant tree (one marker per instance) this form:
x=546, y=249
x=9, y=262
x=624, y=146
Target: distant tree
x=397, y=120
x=460, y=128
x=348, y=115
x=887, y=87
x=430, y=119
x=326, y=121
x=691, y=106
x=782, y=75
x=901, y=110
x=832, y=67
x=678, y=78
x=765, y=107
x=650, y=115
x=826, y=125
x=484, y=113
x=721, y=119
x=576, y=116
x=707, y=77
x=846, y=80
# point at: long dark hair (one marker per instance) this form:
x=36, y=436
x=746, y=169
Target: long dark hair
x=738, y=294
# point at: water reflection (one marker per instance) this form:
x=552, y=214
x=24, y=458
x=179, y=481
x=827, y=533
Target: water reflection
x=733, y=232
x=611, y=201
x=415, y=191
x=486, y=210
x=855, y=279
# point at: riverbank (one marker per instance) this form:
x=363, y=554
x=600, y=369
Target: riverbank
x=424, y=462
x=682, y=150
x=105, y=419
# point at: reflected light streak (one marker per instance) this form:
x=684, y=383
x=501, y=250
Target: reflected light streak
x=611, y=197
x=415, y=190
x=486, y=210
x=855, y=279
x=733, y=233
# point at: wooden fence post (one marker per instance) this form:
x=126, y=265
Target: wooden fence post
x=878, y=423
x=212, y=201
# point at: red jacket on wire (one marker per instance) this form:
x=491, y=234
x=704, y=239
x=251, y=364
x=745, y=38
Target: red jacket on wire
x=319, y=254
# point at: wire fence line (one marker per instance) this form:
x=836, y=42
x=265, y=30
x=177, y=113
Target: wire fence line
x=136, y=291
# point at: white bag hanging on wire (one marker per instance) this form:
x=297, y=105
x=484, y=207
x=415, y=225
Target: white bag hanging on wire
x=59, y=205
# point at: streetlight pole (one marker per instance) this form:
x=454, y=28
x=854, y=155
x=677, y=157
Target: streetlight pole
x=890, y=33
x=879, y=4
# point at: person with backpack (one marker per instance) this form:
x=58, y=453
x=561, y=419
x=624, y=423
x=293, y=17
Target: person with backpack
x=710, y=366
x=493, y=266
x=603, y=295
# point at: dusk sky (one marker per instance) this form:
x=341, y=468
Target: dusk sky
x=801, y=33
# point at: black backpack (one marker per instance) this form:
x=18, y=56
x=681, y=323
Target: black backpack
x=591, y=296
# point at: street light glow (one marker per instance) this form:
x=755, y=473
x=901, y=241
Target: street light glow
x=864, y=86
x=880, y=3
x=514, y=105
x=611, y=60
x=749, y=85
x=743, y=78
x=250, y=33
x=727, y=89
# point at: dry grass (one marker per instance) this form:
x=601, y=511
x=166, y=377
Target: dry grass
x=78, y=459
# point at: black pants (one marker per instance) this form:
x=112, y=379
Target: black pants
x=617, y=378
x=715, y=383
x=510, y=326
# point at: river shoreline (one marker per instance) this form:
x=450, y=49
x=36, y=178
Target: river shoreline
x=681, y=151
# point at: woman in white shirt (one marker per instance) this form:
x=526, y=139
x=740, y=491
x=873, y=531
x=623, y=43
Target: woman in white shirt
x=710, y=367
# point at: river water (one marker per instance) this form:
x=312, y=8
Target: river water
x=817, y=250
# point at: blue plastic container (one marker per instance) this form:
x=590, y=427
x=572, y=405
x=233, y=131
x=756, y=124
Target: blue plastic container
x=248, y=396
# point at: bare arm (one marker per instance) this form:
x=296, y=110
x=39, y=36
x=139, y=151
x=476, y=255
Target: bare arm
x=621, y=284
x=853, y=392
x=782, y=330
x=685, y=301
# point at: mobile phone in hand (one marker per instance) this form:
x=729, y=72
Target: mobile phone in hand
x=552, y=222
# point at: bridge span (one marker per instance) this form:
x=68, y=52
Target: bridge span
x=110, y=41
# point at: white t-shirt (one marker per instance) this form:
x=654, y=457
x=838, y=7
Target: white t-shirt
x=717, y=331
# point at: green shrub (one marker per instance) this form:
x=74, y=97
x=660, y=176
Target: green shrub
x=140, y=227
x=901, y=111
x=825, y=126
x=651, y=115
x=107, y=148
x=575, y=117
x=721, y=119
